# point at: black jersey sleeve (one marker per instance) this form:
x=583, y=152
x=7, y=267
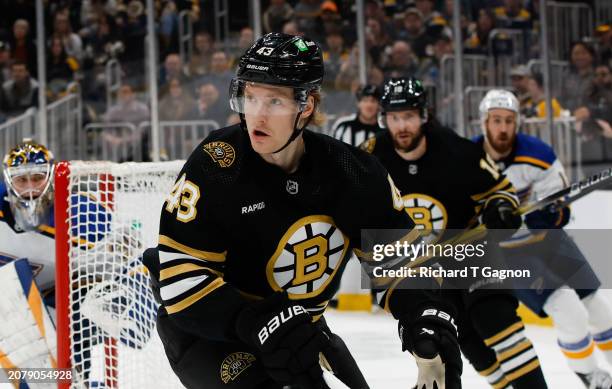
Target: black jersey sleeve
x=187, y=266
x=374, y=211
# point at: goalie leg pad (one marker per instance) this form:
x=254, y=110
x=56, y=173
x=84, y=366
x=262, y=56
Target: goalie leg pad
x=27, y=332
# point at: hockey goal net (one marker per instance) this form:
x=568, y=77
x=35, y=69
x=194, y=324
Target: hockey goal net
x=106, y=215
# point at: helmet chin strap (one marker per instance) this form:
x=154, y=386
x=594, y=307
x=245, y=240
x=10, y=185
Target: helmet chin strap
x=296, y=132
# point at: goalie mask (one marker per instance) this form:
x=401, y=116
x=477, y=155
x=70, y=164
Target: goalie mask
x=28, y=174
x=280, y=60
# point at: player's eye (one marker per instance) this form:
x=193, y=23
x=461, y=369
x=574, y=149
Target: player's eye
x=38, y=178
x=21, y=180
x=249, y=98
x=276, y=101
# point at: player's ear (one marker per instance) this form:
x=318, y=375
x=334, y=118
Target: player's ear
x=310, y=107
x=308, y=111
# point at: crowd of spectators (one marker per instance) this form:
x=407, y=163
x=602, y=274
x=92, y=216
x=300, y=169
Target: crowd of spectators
x=403, y=37
x=81, y=37
x=411, y=37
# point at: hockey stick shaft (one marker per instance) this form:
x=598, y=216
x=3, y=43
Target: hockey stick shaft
x=571, y=193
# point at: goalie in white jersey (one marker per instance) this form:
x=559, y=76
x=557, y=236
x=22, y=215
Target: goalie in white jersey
x=569, y=289
x=27, y=333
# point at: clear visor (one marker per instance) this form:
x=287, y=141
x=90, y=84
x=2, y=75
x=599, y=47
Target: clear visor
x=250, y=98
x=29, y=182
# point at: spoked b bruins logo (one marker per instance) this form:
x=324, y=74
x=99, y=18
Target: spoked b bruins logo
x=307, y=257
x=427, y=213
x=221, y=152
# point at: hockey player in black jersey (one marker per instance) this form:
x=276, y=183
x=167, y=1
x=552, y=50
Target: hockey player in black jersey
x=356, y=128
x=257, y=230
x=447, y=184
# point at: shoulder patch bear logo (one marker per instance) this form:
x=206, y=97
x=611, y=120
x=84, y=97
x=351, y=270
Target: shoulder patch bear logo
x=221, y=152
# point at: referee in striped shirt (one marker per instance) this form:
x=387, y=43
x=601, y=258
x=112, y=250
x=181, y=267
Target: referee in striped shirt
x=356, y=128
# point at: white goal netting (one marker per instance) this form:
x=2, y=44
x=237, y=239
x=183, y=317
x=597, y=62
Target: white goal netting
x=112, y=217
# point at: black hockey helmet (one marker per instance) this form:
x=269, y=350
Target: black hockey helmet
x=282, y=60
x=404, y=93
x=368, y=90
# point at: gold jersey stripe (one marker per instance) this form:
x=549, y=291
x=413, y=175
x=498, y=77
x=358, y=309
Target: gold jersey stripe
x=486, y=372
x=200, y=254
x=316, y=318
x=523, y=370
x=501, y=185
x=533, y=161
x=503, y=382
x=164, y=274
x=186, y=302
x=503, y=334
x=522, y=346
x=510, y=198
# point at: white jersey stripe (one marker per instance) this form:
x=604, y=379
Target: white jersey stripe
x=169, y=292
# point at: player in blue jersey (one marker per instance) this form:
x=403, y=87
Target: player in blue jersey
x=568, y=289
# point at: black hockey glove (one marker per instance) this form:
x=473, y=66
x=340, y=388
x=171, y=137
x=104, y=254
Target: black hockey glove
x=548, y=217
x=431, y=337
x=499, y=215
x=287, y=341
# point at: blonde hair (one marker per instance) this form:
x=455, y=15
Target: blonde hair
x=317, y=118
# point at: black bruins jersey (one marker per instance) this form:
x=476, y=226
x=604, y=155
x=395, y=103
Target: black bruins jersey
x=448, y=186
x=235, y=227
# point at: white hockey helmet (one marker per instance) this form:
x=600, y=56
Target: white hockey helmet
x=498, y=99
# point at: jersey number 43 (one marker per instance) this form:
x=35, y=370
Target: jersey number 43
x=184, y=197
